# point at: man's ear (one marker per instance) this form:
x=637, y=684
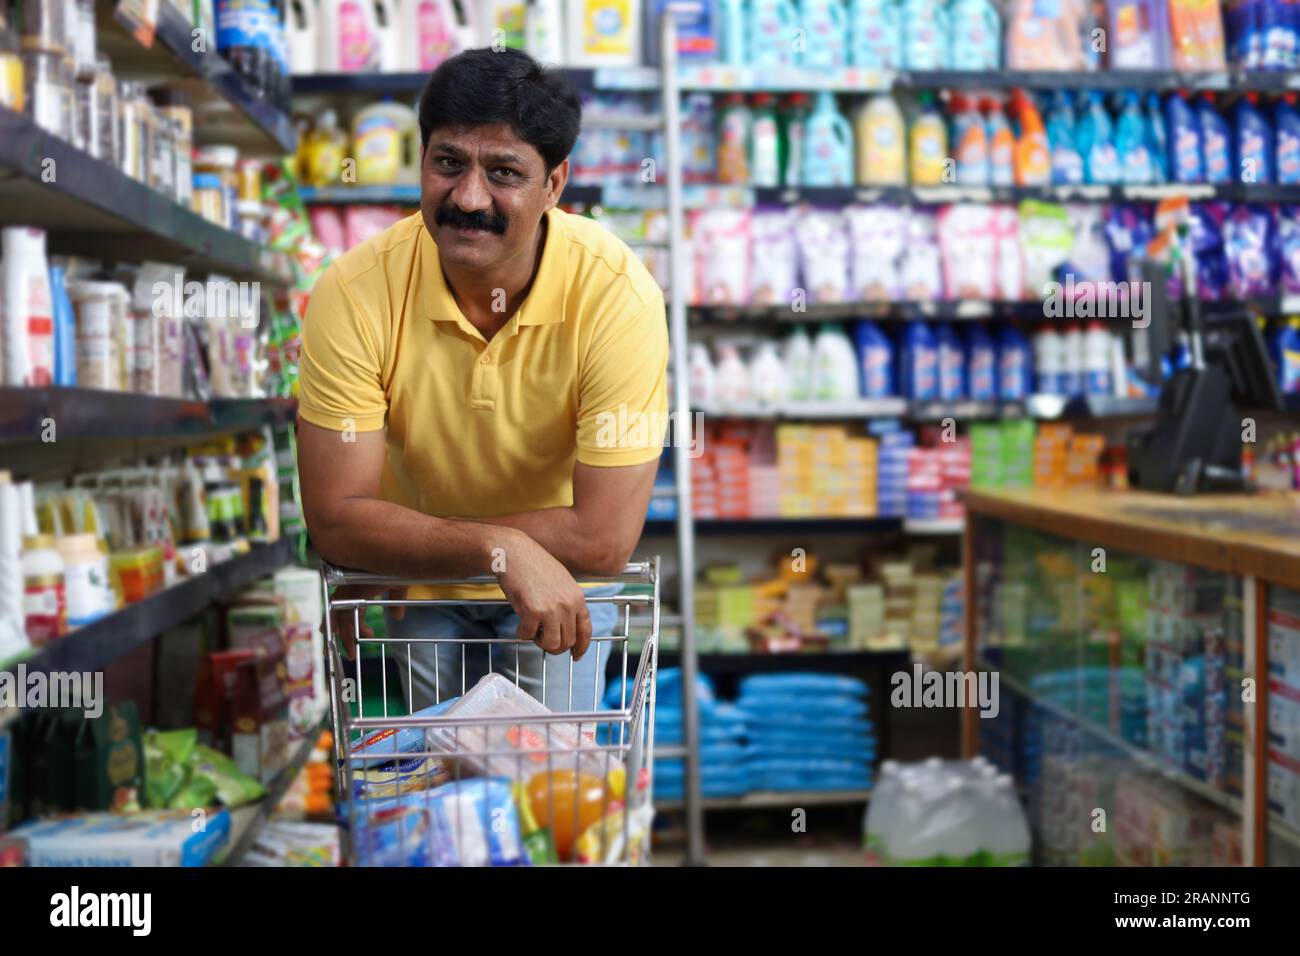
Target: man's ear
x=555, y=183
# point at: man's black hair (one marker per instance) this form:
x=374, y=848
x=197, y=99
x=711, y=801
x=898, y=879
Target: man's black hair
x=479, y=87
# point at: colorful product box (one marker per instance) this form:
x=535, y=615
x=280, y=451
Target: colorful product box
x=150, y=838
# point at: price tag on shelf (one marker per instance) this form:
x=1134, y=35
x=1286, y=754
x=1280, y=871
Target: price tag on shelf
x=140, y=17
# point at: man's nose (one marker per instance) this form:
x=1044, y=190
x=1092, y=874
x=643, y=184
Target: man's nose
x=471, y=192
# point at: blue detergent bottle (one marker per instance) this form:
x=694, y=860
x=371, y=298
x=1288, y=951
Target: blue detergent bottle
x=918, y=370
x=981, y=365
x=974, y=35
x=826, y=30
x=1157, y=141
x=875, y=360
x=1096, y=138
x=952, y=363
x=1253, y=140
x=1185, y=164
x=771, y=28
x=874, y=41
x=924, y=30
x=1131, y=143
x=1015, y=365
x=1287, y=122
x=827, y=145
x=1216, y=141
x=1067, y=164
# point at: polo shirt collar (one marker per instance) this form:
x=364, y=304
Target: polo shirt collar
x=545, y=302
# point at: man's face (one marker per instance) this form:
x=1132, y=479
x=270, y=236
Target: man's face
x=483, y=191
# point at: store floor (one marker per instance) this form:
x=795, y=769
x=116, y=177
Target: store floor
x=830, y=836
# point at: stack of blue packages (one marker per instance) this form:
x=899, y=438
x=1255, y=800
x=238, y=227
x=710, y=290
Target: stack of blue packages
x=724, y=770
x=891, y=475
x=807, y=732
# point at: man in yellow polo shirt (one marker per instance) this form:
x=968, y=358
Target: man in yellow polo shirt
x=483, y=386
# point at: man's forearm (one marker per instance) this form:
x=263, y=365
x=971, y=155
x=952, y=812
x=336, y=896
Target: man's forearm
x=387, y=538
x=580, y=544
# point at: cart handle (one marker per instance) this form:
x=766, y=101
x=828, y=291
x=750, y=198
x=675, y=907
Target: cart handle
x=643, y=570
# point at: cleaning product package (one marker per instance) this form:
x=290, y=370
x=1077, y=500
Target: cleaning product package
x=918, y=364
x=1046, y=36
x=1216, y=143
x=1184, y=137
x=922, y=264
x=876, y=360
x=924, y=34
x=828, y=145
x=834, y=366
x=771, y=30
x=1002, y=144
x=1067, y=163
x=721, y=240
x=1137, y=166
x=1157, y=141
x=825, y=25
x=952, y=363
x=974, y=35
x=773, y=268
x=877, y=236
x=823, y=242
x=970, y=142
x=1010, y=277
x=1252, y=142
x=1139, y=34
x=1247, y=237
x=929, y=162
x=967, y=244
x=1287, y=123
x=882, y=145
x=1045, y=243
x=1096, y=142
x=875, y=37
x=981, y=365
x=1196, y=35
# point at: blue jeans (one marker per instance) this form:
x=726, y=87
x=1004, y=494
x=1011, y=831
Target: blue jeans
x=439, y=671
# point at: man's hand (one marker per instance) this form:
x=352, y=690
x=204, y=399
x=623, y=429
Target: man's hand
x=551, y=607
x=342, y=621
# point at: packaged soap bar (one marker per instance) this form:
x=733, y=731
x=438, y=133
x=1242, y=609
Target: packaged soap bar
x=150, y=838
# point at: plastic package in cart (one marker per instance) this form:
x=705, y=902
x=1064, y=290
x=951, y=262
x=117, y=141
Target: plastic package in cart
x=463, y=823
x=515, y=750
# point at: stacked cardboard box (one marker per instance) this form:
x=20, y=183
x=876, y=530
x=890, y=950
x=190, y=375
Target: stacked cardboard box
x=1284, y=707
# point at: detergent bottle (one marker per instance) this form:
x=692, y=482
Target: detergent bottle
x=347, y=37
x=924, y=31
x=828, y=145
x=981, y=365
x=1067, y=163
x=971, y=142
x=1157, y=141
x=734, y=32
x=386, y=141
x=764, y=143
x=874, y=39
x=734, y=128
x=389, y=33
x=918, y=363
x=928, y=145
x=974, y=35
x=1287, y=121
x=1002, y=145
x=1033, y=164
x=825, y=26
x=1130, y=143
x=1184, y=135
x=794, y=129
x=300, y=25
x=323, y=150
x=1254, y=141
x=771, y=30
x=882, y=149
x=875, y=359
x=544, y=31
x=1097, y=142
x=1216, y=141
x=951, y=355
x=1015, y=365
x=604, y=33
x=431, y=30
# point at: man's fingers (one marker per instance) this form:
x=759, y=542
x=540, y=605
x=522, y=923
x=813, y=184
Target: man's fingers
x=552, y=636
x=582, y=640
x=527, y=629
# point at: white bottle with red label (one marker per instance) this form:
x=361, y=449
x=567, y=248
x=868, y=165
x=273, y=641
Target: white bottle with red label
x=44, y=600
x=27, y=307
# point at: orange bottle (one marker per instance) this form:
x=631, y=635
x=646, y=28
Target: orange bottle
x=1033, y=161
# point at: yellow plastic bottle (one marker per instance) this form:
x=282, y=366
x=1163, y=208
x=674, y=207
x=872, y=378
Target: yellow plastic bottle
x=928, y=146
x=386, y=143
x=882, y=146
x=323, y=152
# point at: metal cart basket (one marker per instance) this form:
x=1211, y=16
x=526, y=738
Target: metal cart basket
x=488, y=775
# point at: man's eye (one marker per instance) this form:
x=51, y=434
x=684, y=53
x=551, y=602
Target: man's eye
x=506, y=173
x=446, y=162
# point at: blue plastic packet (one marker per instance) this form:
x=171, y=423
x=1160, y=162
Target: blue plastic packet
x=394, y=741
x=472, y=822
x=1246, y=238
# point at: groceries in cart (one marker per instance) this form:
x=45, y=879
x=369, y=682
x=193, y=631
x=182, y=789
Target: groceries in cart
x=483, y=790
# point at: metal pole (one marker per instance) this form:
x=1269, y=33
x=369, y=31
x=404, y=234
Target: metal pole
x=682, y=436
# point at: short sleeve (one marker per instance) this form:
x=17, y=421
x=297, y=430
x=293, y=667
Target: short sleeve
x=623, y=389
x=340, y=368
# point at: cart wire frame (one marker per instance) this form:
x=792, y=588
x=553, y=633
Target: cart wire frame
x=394, y=822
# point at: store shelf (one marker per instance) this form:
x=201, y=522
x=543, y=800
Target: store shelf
x=776, y=799
x=749, y=662
x=1283, y=831
x=408, y=195
x=1144, y=758
x=963, y=411
x=1049, y=407
x=723, y=526
x=807, y=411
x=937, y=527
x=227, y=109
x=395, y=84
x=720, y=78
x=95, y=646
x=91, y=208
x=248, y=820
x=78, y=413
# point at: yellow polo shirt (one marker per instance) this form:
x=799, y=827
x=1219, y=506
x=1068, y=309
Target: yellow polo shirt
x=478, y=428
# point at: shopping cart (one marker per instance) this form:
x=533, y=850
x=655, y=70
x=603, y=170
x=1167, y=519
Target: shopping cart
x=489, y=775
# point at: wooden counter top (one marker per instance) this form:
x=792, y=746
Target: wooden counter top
x=1240, y=534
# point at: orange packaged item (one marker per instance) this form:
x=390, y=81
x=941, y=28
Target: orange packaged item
x=568, y=803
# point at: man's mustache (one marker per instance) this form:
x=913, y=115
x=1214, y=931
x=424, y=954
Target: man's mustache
x=458, y=218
